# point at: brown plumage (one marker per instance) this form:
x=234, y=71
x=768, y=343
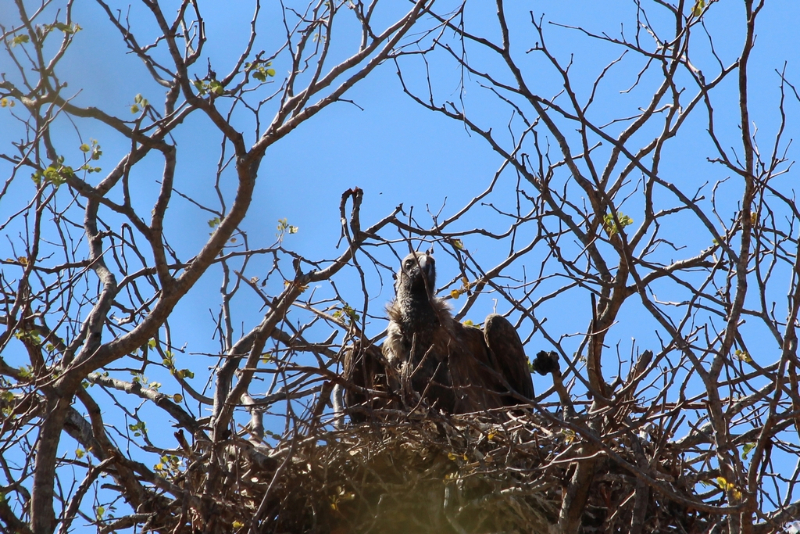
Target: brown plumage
x=431, y=358
x=440, y=361
x=365, y=370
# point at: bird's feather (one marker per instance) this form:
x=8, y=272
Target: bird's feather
x=454, y=367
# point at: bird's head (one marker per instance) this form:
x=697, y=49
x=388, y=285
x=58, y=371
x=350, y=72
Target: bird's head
x=417, y=275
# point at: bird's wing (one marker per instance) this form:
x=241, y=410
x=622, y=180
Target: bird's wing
x=364, y=368
x=509, y=355
x=476, y=378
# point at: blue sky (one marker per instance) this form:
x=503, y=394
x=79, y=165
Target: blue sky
x=400, y=153
x=393, y=149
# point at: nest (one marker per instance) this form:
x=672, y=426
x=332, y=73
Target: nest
x=471, y=473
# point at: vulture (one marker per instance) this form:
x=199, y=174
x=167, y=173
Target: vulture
x=435, y=359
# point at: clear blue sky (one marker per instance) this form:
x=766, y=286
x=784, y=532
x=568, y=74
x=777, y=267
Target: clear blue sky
x=393, y=149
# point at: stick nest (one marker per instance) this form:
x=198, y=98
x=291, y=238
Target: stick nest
x=471, y=473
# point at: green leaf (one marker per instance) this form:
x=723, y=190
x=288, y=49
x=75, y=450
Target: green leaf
x=85, y=148
x=138, y=428
x=348, y=311
x=54, y=174
x=96, y=151
x=67, y=28
x=216, y=88
x=139, y=102
x=19, y=39
x=185, y=373
x=724, y=484
x=200, y=86
x=31, y=336
x=260, y=72
x=610, y=225
x=285, y=228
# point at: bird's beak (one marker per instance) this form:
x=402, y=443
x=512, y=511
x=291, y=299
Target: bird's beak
x=426, y=265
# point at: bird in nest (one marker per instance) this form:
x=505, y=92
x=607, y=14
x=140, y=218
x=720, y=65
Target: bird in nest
x=440, y=361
